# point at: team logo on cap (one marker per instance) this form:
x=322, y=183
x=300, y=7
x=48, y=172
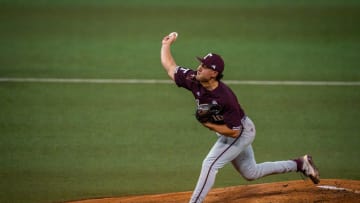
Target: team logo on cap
x=209, y=54
x=213, y=61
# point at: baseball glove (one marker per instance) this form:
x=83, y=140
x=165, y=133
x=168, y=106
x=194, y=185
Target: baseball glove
x=209, y=113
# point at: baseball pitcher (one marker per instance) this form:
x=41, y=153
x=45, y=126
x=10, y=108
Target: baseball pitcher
x=218, y=109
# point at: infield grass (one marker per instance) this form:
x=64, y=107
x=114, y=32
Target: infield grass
x=66, y=141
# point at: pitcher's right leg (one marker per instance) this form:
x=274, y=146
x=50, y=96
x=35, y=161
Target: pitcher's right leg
x=246, y=165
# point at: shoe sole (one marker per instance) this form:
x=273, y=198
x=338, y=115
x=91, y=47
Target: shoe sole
x=314, y=178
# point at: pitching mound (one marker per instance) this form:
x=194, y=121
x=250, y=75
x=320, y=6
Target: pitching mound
x=328, y=190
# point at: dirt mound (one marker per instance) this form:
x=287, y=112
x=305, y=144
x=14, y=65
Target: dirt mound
x=329, y=190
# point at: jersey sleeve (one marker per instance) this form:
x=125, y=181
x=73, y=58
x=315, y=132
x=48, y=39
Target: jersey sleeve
x=184, y=77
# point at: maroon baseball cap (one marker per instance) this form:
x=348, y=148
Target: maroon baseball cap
x=213, y=61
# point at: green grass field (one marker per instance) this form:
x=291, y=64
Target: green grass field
x=66, y=141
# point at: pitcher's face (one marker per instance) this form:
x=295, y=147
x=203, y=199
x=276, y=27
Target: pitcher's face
x=205, y=74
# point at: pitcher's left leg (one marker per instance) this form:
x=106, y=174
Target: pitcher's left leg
x=223, y=151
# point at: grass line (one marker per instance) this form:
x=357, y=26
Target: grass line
x=156, y=81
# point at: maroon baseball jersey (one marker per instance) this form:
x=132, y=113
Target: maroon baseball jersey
x=222, y=95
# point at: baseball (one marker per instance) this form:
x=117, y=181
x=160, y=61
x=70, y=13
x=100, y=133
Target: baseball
x=175, y=34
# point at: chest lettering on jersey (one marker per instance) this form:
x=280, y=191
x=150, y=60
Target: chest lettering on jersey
x=197, y=102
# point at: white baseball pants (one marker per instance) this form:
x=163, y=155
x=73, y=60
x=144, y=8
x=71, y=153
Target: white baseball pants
x=238, y=151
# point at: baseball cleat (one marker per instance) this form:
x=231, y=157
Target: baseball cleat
x=308, y=168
